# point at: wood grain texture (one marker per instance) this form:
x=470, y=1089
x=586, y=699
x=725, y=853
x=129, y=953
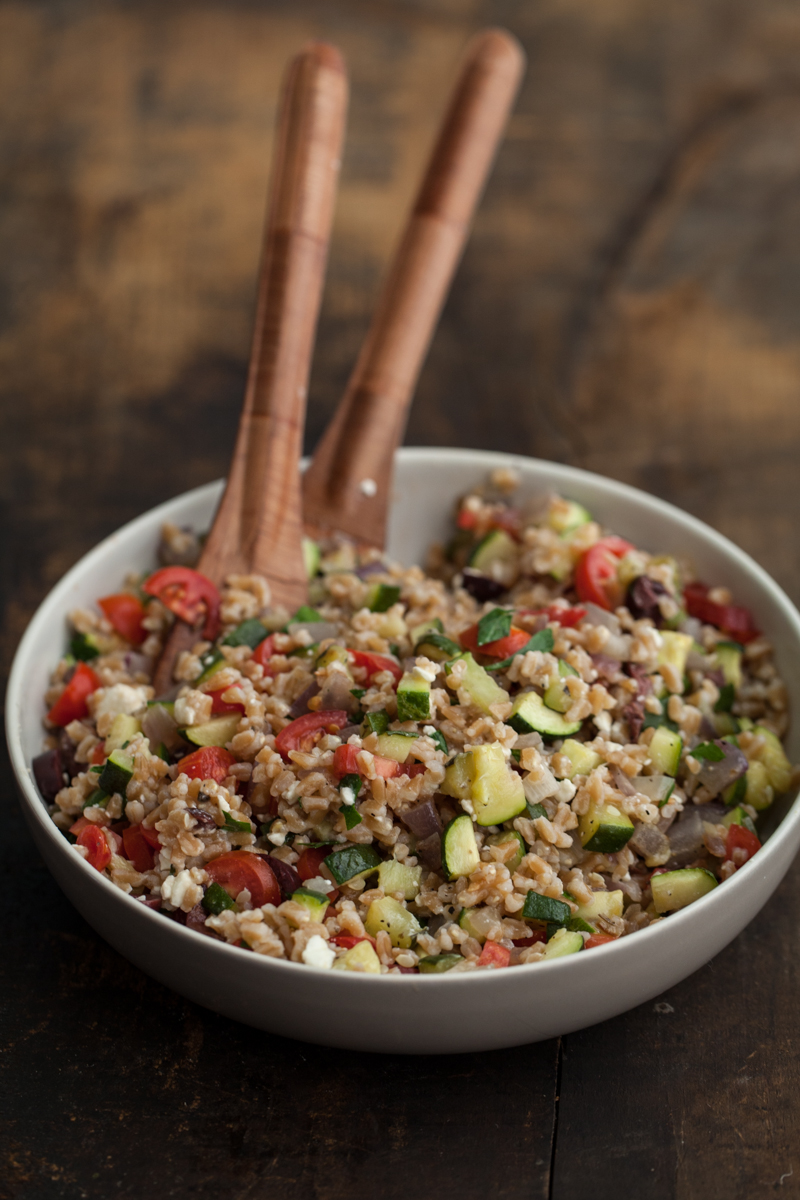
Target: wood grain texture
x=347, y=487
x=628, y=301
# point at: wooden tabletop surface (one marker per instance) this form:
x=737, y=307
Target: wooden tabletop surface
x=629, y=302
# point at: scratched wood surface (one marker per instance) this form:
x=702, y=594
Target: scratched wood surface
x=629, y=302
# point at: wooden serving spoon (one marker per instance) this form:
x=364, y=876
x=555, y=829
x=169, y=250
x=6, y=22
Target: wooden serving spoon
x=347, y=486
x=258, y=525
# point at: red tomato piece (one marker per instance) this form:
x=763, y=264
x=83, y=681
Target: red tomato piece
x=373, y=663
x=71, y=704
x=209, y=762
x=81, y=823
x=501, y=648
x=347, y=942
x=596, y=572
x=187, y=593
x=125, y=612
x=93, y=839
x=301, y=734
x=412, y=769
x=220, y=706
x=264, y=652
x=466, y=519
x=733, y=619
x=150, y=836
x=539, y=935
x=567, y=615
x=98, y=755
x=740, y=845
x=598, y=939
x=387, y=768
x=345, y=762
x=138, y=848
x=310, y=861
x=239, y=870
x=493, y=955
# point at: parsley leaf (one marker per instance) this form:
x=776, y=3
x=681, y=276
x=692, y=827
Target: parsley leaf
x=494, y=625
x=543, y=640
x=708, y=751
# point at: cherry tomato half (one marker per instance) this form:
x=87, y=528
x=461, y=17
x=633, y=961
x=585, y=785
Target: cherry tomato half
x=239, y=870
x=493, y=955
x=503, y=647
x=125, y=612
x=596, y=572
x=733, y=619
x=138, y=848
x=345, y=762
x=209, y=762
x=264, y=652
x=301, y=734
x=188, y=594
x=740, y=845
x=567, y=615
x=373, y=663
x=310, y=861
x=71, y=704
x=94, y=841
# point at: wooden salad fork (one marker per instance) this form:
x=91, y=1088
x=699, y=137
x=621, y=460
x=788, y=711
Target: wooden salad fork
x=347, y=487
x=258, y=525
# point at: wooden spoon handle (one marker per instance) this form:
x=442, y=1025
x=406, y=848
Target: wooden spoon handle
x=258, y=526
x=347, y=485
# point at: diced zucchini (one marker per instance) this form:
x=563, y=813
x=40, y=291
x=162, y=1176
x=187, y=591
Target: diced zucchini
x=578, y=925
x=334, y=653
x=758, y=791
x=676, y=889
x=460, y=854
x=497, y=791
x=413, y=698
x=395, y=745
x=85, y=647
x=352, y=862
x=497, y=556
x=738, y=816
x=728, y=657
x=381, y=597
x=478, y=922
x=116, y=773
x=674, y=650
x=567, y=516
x=312, y=557
x=248, y=633
x=503, y=839
x=544, y=908
x=437, y=647
x=582, y=758
x=458, y=777
x=737, y=791
x=216, y=899
x=315, y=902
x=482, y=689
x=657, y=788
x=557, y=694
x=394, y=876
x=123, y=729
x=665, y=751
x=216, y=732
x=376, y=722
x=212, y=661
x=602, y=904
x=563, y=942
x=361, y=957
x=772, y=755
x=389, y=914
x=417, y=632
x=604, y=829
x=437, y=964
x=530, y=714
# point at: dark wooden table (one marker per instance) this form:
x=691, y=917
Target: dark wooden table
x=629, y=302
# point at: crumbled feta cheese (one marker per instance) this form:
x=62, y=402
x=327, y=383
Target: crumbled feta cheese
x=276, y=838
x=174, y=887
x=368, y=487
x=565, y=791
x=425, y=669
x=319, y=884
x=121, y=698
x=348, y=795
x=317, y=953
x=193, y=709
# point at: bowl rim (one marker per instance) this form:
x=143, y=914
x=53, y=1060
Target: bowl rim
x=485, y=459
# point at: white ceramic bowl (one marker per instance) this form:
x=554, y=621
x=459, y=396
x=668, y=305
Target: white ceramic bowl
x=413, y=1014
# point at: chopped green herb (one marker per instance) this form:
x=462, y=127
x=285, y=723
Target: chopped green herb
x=352, y=783
x=98, y=799
x=249, y=633
x=217, y=899
x=163, y=752
x=655, y=720
x=236, y=826
x=543, y=640
x=305, y=615
x=727, y=695
x=437, y=737
x=708, y=751
x=352, y=816
x=95, y=770
x=358, y=692
x=535, y=811
x=494, y=625
x=395, y=649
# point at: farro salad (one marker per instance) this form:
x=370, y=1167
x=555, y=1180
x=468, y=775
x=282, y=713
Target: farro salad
x=549, y=740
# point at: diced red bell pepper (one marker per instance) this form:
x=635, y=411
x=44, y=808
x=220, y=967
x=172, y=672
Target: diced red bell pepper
x=264, y=652
x=347, y=941
x=733, y=619
x=596, y=572
x=239, y=870
x=740, y=845
x=92, y=838
x=125, y=612
x=302, y=733
x=188, y=594
x=209, y=762
x=310, y=861
x=598, y=939
x=345, y=762
x=373, y=663
x=503, y=647
x=494, y=955
x=138, y=848
x=71, y=704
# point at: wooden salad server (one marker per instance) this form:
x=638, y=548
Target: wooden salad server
x=347, y=486
x=258, y=525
